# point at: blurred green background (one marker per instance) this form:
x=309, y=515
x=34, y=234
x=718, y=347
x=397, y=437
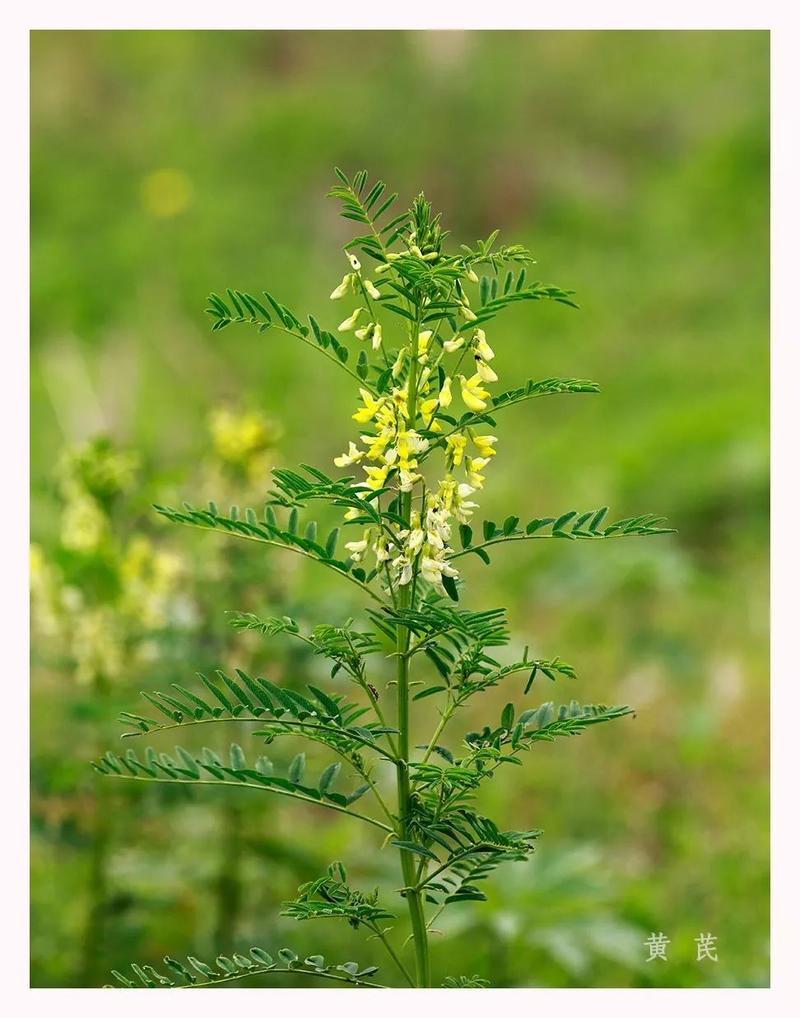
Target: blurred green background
x=635, y=165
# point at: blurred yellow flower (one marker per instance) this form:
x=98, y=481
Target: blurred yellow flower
x=166, y=193
x=241, y=438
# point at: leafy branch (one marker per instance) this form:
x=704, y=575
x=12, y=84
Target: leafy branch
x=569, y=526
x=531, y=390
x=268, y=532
x=196, y=973
x=187, y=769
x=328, y=718
x=247, y=309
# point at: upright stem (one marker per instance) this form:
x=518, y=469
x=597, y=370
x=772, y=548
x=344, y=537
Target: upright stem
x=413, y=898
x=97, y=890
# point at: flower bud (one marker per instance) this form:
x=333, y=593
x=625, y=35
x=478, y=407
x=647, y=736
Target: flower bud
x=348, y=323
x=343, y=287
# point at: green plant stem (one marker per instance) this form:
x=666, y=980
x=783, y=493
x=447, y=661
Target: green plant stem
x=415, y=908
x=447, y=713
x=381, y=935
x=100, y=833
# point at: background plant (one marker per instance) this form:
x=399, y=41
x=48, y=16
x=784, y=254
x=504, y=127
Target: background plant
x=651, y=149
x=406, y=512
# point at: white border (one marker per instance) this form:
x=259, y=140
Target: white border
x=780, y=19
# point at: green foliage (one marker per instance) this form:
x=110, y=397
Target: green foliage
x=268, y=532
x=209, y=768
x=465, y=983
x=331, y=897
x=446, y=846
x=196, y=973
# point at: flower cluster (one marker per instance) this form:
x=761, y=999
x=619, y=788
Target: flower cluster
x=356, y=283
x=243, y=442
x=103, y=599
x=404, y=424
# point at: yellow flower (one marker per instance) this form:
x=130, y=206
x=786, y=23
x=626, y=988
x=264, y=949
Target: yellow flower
x=471, y=392
x=357, y=549
x=83, y=524
x=348, y=323
x=404, y=449
x=483, y=369
x=485, y=445
x=377, y=443
x=400, y=400
x=381, y=549
x=404, y=568
x=414, y=540
x=472, y=275
x=467, y=313
x=371, y=332
x=372, y=290
x=462, y=507
x=428, y=408
x=474, y=476
x=370, y=408
x=451, y=345
x=354, y=262
x=482, y=346
x=423, y=341
x=456, y=444
x=343, y=287
x=376, y=476
x=383, y=267
x=397, y=367
x=238, y=437
x=445, y=395
x=408, y=479
x=433, y=569
x=353, y=455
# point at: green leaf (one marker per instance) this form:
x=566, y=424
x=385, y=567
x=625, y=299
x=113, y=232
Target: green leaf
x=510, y=525
x=328, y=777
x=330, y=544
x=297, y=768
x=412, y=846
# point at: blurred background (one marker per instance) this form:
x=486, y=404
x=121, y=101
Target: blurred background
x=635, y=165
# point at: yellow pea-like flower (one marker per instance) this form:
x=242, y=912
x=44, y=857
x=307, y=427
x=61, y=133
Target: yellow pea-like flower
x=376, y=476
x=348, y=323
x=473, y=395
x=485, y=445
x=456, y=444
x=343, y=287
x=369, y=409
x=482, y=346
x=397, y=367
x=353, y=455
x=483, y=369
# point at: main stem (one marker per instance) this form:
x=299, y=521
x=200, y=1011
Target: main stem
x=413, y=898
